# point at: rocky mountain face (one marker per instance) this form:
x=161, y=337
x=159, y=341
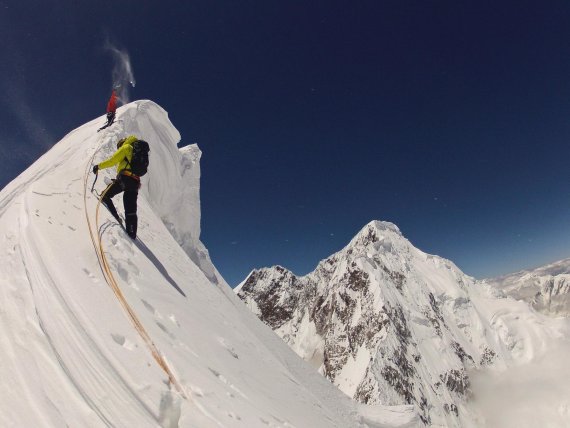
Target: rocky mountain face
x=385, y=322
x=546, y=288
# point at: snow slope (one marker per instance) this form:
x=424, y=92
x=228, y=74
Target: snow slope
x=69, y=353
x=546, y=288
x=388, y=323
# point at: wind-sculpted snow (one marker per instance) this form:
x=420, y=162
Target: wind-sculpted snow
x=390, y=324
x=70, y=353
x=173, y=189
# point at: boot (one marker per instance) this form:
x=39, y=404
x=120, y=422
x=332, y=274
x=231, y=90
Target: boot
x=131, y=227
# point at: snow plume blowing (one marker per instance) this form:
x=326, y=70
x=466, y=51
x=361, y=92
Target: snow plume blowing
x=122, y=74
x=526, y=396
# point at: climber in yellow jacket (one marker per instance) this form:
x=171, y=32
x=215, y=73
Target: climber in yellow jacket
x=126, y=181
x=121, y=157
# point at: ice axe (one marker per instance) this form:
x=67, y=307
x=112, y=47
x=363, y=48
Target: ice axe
x=95, y=181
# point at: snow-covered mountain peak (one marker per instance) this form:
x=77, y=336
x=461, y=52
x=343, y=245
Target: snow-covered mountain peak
x=388, y=323
x=380, y=225
x=380, y=249
x=378, y=236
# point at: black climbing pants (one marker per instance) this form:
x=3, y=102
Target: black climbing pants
x=110, y=120
x=130, y=186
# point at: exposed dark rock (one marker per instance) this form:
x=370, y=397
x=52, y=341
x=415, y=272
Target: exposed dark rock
x=424, y=408
x=401, y=361
x=457, y=381
x=370, y=237
x=434, y=323
x=460, y=352
x=398, y=278
x=335, y=358
x=435, y=308
x=488, y=357
x=454, y=409
x=398, y=321
x=357, y=280
x=321, y=315
x=401, y=384
x=365, y=391
x=272, y=312
x=250, y=284
x=434, y=315
x=451, y=408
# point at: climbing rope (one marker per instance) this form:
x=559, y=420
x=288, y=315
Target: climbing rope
x=112, y=282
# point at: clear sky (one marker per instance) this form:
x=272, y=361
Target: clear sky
x=448, y=118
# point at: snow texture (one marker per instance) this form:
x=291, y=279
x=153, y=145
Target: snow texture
x=70, y=355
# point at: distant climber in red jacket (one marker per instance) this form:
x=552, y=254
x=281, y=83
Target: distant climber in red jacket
x=111, y=107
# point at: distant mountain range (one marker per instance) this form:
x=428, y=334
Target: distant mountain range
x=546, y=288
x=388, y=323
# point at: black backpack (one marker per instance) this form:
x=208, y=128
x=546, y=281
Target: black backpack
x=139, y=162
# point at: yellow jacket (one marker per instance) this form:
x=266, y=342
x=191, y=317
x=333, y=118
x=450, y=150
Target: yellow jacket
x=122, y=157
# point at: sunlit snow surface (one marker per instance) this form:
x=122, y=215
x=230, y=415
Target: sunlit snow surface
x=69, y=355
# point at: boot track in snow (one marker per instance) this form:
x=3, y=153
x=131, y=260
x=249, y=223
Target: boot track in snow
x=112, y=282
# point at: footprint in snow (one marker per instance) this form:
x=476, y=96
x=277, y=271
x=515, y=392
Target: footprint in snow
x=169, y=411
x=196, y=391
x=173, y=319
x=149, y=307
x=234, y=416
x=223, y=379
x=90, y=275
x=228, y=347
x=123, y=273
x=187, y=348
x=122, y=341
x=218, y=375
x=126, y=247
x=163, y=328
x=134, y=269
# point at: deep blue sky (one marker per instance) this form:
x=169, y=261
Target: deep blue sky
x=448, y=118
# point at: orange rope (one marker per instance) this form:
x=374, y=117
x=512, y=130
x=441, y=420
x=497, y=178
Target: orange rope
x=110, y=279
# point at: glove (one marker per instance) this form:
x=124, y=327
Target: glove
x=95, y=169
